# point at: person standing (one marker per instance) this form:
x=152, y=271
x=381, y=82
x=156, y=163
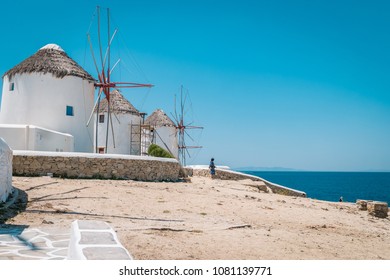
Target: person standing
x=212, y=168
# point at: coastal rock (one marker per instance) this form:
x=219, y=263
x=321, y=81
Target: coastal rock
x=362, y=204
x=378, y=209
x=260, y=185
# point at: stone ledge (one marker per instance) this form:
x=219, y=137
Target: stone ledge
x=89, y=155
x=95, y=166
x=225, y=174
x=95, y=240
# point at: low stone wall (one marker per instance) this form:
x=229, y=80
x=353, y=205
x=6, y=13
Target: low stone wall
x=5, y=171
x=225, y=174
x=98, y=166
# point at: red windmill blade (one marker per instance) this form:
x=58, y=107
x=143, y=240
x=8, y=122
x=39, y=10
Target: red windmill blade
x=104, y=83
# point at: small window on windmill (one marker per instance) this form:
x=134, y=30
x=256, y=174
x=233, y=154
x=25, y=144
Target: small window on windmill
x=101, y=118
x=69, y=111
x=11, y=86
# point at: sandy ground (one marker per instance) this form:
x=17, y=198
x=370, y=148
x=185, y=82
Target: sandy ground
x=207, y=219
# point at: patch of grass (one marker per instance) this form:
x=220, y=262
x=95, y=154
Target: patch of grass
x=156, y=151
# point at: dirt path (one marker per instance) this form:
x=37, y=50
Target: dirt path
x=207, y=219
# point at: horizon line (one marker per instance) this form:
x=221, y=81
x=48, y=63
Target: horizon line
x=286, y=169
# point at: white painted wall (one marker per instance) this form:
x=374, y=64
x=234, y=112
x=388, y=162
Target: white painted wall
x=147, y=138
x=29, y=137
x=168, y=136
x=121, y=125
x=5, y=170
x=41, y=100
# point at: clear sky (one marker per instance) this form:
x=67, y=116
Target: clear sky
x=298, y=84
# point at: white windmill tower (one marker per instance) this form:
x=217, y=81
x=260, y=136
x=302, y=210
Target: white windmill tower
x=161, y=130
x=126, y=122
x=46, y=100
x=171, y=134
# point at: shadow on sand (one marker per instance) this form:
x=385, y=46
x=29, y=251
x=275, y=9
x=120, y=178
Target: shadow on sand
x=16, y=203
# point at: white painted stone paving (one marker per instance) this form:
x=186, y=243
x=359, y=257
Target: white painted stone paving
x=21, y=243
x=86, y=240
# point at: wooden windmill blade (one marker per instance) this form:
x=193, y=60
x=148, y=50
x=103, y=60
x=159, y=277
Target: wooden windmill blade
x=95, y=106
x=104, y=83
x=182, y=127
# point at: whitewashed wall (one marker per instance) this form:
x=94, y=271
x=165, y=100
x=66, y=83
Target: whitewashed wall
x=29, y=137
x=146, y=140
x=121, y=125
x=41, y=100
x=168, y=136
x=5, y=170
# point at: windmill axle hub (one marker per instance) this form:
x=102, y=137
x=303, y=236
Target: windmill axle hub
x=105, y=85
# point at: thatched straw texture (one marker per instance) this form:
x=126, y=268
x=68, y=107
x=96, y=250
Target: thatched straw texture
x=118, y=105
x=50, y=59
x=158, y=118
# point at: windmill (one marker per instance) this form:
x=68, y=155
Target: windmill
x=104, y=84
x=182, y=127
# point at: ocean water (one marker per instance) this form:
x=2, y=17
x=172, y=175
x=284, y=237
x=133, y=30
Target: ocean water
x=331, y=185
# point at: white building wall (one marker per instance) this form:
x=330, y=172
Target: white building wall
x=46, y=140
x=122, y=134
x=41, y=100
x=29, y=137
x=147, y=138
x=166, y=135
x=15, y=136
x=5, y=170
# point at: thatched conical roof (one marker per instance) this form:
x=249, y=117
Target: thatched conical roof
x=158, y=118
x=50, y=59
x=118, y=105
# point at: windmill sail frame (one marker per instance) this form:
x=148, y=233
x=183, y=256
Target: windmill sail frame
x=181, y=129
x=104, y=83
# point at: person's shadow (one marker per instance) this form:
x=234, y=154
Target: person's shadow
x=16, y=232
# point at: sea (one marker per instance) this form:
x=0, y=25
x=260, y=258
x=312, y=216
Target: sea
x=331, y=186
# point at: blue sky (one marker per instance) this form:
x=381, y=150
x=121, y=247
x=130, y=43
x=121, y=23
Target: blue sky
x=298, y=84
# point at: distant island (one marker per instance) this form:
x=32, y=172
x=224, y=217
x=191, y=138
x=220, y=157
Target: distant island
x=253, y=168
